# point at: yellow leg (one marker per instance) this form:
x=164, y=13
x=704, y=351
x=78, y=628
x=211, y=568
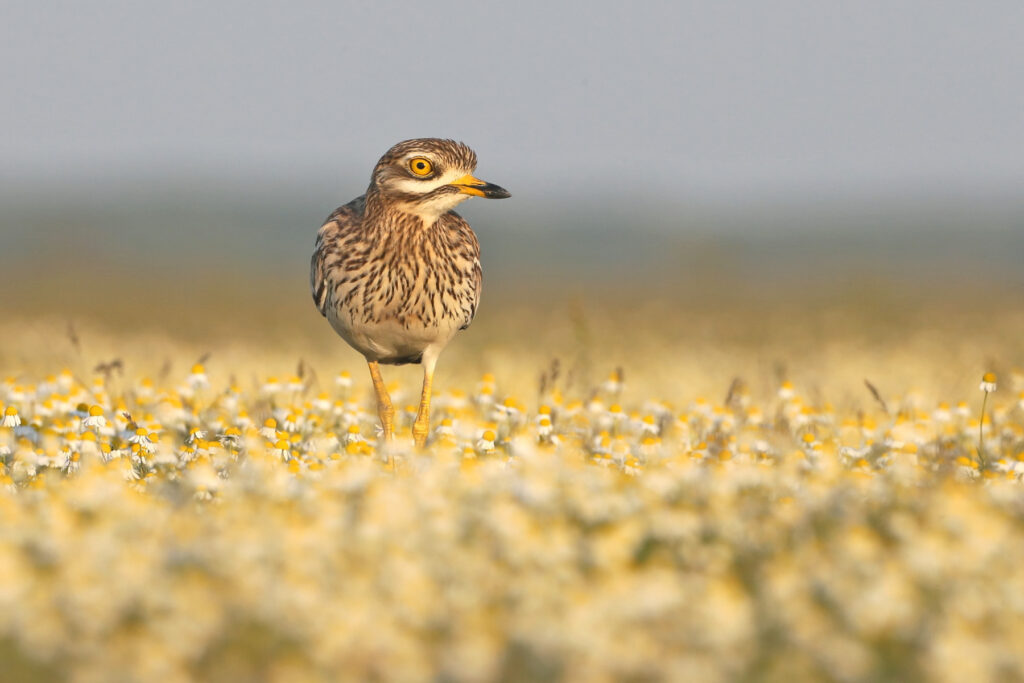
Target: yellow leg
x=421, y=427
x=385, y=410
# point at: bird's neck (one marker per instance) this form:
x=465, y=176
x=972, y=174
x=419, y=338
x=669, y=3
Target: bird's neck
x=386, y=212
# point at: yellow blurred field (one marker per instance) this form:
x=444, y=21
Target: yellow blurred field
x=612, y=492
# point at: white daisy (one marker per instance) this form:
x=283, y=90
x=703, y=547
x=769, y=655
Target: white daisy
x=10, y=418
x=94, y=419
x=486, y=441
x=198, y=379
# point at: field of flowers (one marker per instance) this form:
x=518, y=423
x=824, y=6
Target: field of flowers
x=702, y=504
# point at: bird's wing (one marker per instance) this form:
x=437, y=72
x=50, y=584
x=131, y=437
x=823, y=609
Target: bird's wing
x=343, y=221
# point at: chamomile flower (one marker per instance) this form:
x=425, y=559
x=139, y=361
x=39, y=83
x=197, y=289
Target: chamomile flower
x=230, y=437
x=485, y=443
x=45, y=409
x=786, y=391
x=145, y=389
x=702, y=407
x=755, y=416
x=507, y=410
x=456, y=401
x=17, y=393
x=94, y=419
x=650, y=445
x=613, y=385
x=65, y=380
x=269, y=429
x=649, y=426
x=632, y=465
x=799, y=415
x=10, y=417
x=282, y=449
x=544, y=427
x=446, y=428
x=485, y=391
x=988, y=382
x=197, y=379
x=353, y=435
x=343, y=380
x=292, y=422
x=615, y=416
x=229, y=400
x=143, y=439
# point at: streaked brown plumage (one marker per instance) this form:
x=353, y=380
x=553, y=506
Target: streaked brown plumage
x=396, y=272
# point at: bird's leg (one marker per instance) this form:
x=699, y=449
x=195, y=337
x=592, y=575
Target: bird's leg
x=421, y=427
x=385, y=410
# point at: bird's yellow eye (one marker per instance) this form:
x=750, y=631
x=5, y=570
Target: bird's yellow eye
x=420, y=166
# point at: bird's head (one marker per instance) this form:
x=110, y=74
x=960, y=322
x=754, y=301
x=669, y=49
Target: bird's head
x=428, y=177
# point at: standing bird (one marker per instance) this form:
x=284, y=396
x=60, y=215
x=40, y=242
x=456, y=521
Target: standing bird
x=396, y=272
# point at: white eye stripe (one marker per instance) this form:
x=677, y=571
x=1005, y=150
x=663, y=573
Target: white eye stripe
x=414, y=186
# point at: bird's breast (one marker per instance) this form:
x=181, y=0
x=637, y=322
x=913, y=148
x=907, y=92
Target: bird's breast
x=417, y=286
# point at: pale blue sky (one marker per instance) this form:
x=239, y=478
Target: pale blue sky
x=687, y=100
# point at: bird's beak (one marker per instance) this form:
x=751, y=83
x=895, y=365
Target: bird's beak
x=467, y=184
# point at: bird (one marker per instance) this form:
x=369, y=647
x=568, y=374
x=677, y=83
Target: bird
x=396, y=271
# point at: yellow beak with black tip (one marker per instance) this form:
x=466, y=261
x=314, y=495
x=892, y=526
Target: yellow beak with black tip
x=467, y=184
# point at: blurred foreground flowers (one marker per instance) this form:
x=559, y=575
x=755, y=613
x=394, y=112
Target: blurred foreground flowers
x=191, y=527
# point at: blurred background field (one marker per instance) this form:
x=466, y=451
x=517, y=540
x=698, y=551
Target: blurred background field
x=724, y=219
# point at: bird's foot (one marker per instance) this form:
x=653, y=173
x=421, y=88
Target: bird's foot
x=420, y=431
